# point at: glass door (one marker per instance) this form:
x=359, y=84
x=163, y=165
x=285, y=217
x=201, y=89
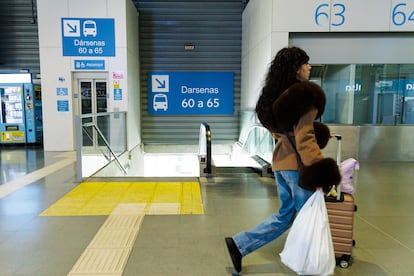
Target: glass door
x=102, y=107
x=12, y=126
x=12, y=105
x=93, y=100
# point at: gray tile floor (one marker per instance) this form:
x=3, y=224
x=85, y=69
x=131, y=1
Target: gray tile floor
x=193, y=244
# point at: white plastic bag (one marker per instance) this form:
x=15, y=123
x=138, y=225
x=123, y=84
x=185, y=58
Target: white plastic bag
x=309, y=249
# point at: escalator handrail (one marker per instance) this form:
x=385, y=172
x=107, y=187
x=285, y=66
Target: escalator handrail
x=242, y=142
x=205, y=133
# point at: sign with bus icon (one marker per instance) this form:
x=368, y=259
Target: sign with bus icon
x=160, y=101
x=195, y=93
x=89, y=28
x=88, y=36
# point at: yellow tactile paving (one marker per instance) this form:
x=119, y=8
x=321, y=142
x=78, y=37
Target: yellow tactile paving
x=101, y=198
x=108, y=252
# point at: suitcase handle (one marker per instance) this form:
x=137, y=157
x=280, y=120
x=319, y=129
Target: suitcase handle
x=338, y=161
x=341, y=198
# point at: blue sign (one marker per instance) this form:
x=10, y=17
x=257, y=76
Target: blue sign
x=117, y=94
x=62, y=106
x=89, y=64
x=62, y=91
x=190, y=93
x=88, y=37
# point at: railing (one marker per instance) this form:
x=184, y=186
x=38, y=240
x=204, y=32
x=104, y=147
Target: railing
x=258, y=143
x=257, y=140
x=100, y=139
x=204, y=149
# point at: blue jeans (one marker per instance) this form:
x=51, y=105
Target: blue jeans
x=292, y=197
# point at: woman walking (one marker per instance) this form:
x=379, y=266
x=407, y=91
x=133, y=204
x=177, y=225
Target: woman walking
x=288, y=106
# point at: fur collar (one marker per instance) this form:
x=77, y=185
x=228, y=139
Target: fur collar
x=295, y=102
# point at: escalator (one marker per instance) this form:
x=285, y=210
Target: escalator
x=235, y=182
x=246, y=171
x=251, y=154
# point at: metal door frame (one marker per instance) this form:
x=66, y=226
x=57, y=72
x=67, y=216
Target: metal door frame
x=93, y=78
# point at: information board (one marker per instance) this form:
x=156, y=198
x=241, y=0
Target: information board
x=190, y=93
x=88, y=36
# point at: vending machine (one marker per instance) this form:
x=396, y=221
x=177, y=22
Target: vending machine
x=17, y=118
x=37, y=92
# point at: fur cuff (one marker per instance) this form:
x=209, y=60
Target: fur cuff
x=322, y=134
x=297, y=100
x=323, y=173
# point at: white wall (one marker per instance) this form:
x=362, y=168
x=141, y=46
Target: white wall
x=360, y=48
x=57, y=70
x=133, y=83
x=260, y=42
x=58, y=128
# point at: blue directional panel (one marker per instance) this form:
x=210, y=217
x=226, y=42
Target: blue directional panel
x=198, y=93
x=88, y=37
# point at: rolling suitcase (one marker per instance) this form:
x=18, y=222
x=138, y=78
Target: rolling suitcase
x=341, y=220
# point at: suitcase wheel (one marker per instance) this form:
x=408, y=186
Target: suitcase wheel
x=343, y=263
x=353, y=242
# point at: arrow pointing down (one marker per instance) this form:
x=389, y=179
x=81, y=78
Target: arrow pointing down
x=161, y=84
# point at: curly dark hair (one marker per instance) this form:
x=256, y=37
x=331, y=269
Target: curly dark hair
x=281, y=75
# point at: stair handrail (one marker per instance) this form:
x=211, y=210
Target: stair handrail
x=108, y=146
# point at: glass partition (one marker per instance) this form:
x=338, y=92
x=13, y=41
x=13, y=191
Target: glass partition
x=101, y=139
x=360, y=94
x=259, y=141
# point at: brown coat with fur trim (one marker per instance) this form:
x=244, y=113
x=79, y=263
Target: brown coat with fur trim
x=295, y=112
x=284, y=156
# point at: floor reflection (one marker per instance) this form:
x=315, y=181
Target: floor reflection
x=19, y=160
